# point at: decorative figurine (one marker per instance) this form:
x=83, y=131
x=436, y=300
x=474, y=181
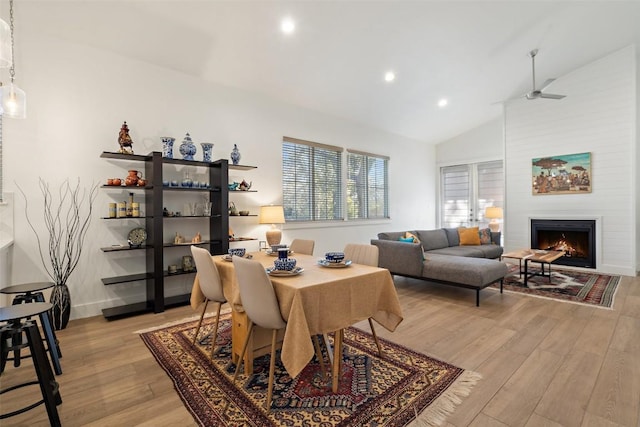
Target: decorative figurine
x=244, y=186
x=126, y=144
x=233, y=211
x=197, y=238
x=178, y=239
x=235, y=155
x=187, y=148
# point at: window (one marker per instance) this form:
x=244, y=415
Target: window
x=467, y=190
x=367, y=186
x=311, y=181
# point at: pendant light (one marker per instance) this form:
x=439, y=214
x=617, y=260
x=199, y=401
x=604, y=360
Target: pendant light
x=14, y=100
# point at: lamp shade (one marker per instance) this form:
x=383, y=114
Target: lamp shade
x=493, y=212
x=272, y=214
x=14, y=102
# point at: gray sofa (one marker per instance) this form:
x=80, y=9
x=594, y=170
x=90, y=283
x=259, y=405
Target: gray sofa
x=444, y=260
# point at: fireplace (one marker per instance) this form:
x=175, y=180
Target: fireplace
x=576, y=237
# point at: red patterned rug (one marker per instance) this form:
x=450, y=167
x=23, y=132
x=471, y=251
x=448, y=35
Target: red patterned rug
x=574, y=286
x=403, y=387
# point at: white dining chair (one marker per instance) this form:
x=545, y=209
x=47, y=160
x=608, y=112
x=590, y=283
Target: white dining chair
x=366, y=255
x=211, y=287
x=302, y=246
x=261, y=305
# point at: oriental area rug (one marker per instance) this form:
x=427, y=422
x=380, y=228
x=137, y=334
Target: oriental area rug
x=403, y=388
x=573, y=286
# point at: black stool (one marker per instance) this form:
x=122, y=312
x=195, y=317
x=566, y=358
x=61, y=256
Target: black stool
x=18, y=317
x=32, y=292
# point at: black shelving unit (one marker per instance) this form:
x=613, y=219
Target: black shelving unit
x=218, y=225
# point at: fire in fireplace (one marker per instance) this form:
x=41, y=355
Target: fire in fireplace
x=575, y=237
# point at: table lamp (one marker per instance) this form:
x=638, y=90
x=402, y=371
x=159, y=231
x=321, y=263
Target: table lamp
x=272, y=214
x=494, y=214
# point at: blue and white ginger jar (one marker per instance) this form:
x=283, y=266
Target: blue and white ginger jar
x=187, y=148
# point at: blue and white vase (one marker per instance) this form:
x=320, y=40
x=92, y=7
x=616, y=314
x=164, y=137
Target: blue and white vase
x=167, y=147
x=187, y=148
x=206, y=151
x=235, y=155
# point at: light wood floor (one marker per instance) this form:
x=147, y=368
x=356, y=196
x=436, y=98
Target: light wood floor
x=544, y=363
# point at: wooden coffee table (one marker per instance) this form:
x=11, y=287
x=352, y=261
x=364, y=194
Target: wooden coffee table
x=542, y=257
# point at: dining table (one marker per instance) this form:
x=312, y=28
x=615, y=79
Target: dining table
x=319, y=299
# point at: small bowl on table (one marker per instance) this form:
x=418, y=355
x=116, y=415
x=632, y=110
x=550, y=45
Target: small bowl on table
x=237, y=252
x=284, y=264
x=335, y=257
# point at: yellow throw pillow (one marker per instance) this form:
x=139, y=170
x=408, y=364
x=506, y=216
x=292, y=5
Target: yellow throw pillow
x=469, y=236
x=413, y=236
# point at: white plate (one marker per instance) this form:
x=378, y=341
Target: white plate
x=230, y=258
x=271, y=253
x=329, y=264
x=283, y=273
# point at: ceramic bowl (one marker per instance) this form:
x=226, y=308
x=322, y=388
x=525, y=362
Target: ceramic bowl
x=237, y=251
x=286, y=264
x=243, y=213
x=334, y=256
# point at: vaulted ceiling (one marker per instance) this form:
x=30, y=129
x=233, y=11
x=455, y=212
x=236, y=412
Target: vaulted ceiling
x=472, y=53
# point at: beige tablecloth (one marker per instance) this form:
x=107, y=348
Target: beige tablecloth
x=317, y=301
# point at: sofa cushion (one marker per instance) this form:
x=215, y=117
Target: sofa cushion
x=452, y=236
x=468, y=251
x=433, y=239
x=412, y=236
x=469, y=236
x=406, y=239
x=485, y=236
x=489, y=251
x=391, y=235
x=473, y=272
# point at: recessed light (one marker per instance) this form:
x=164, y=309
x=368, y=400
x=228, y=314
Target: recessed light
x=442, y=103
x=287, y=25
x=389, y=76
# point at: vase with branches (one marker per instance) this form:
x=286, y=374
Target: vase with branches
x=66, y=219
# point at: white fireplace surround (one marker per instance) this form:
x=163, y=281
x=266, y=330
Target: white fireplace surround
x=598, y=236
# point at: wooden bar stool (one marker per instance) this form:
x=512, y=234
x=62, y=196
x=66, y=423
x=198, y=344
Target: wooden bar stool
x=32, y=292
x=18, y=318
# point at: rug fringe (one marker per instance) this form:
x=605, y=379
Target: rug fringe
x=185, y=320
x=436, y=413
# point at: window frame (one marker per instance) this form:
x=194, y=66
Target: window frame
x=365, y=213
x=334, y=192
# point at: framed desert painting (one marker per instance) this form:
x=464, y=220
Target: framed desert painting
x=566, y=174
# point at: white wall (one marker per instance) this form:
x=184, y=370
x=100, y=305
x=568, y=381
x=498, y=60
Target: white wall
x=78, y=97
x=481, y=144
x=597, y=116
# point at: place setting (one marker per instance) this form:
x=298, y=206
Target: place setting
x=334, y=260
x=283, y=266
x=274, y=250
x=240, y=252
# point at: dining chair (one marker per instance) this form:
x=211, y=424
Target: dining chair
x=366, y=255
x=261, y=305
x=211, y=287
x=302, y=246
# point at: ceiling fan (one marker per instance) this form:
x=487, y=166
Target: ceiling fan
x=538, y=93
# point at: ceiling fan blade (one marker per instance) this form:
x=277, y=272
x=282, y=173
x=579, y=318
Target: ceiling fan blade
x=551, y=96
x=546, y=83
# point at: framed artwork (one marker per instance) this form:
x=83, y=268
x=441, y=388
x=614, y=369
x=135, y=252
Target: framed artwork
x=566, y=174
